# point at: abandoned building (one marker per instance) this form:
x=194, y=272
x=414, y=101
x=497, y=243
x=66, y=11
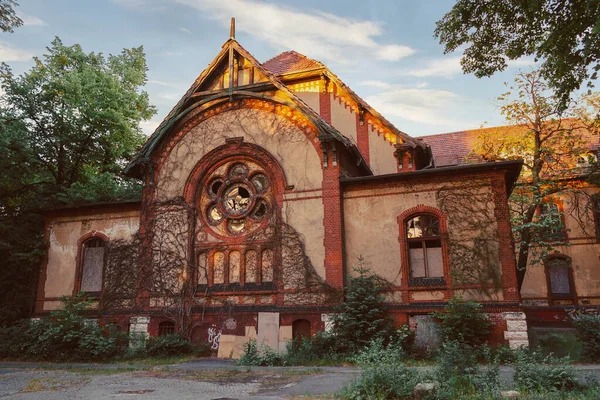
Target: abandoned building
x=569, y=277
x=263, y=188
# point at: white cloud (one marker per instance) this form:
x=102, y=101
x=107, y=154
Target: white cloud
x=149, y=126
x=444, y=67
x=10, y=53
x=522, y=62
x=185, y=30
x=142, y=5
x=29, y=20
x=377, y=84
x=316, y=34
x=425, y=106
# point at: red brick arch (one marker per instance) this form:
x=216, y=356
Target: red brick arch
x=404, y=257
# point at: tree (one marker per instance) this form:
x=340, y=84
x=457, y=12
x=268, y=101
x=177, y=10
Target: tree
x=550, y=143
x=8, y=17
x=362, y=316
x=563, y=34
x=67, y=127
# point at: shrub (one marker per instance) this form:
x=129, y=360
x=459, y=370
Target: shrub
x=382, y=381
x=561, y=344
x=362, y=317
x=173, y=345
x=459, y=374
x=379, y=353
x=588, y=331
x=551, y=373
x=465, y=322
x=262, y=355
x=65, y=335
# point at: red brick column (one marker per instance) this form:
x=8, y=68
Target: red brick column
x=362, y=135
x=505, y=239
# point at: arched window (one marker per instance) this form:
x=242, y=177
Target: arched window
x=424, y=247
x=166, y=328
x=300, y=329
x=92, y=265
x=559, y=275
x=552, y=216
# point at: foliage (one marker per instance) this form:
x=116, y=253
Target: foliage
x=259, y=355
x=318, y=349
x=65, y=335
x=67, y=126
x=560, y=344
x=172, y=345
x=459, y=375
x=588, y=331
x=464, y=321
x=382, y=381
x=361, y=318
x=549, y=140
x=8, y=17
x=549, y=374
x=564, y=35
x=377, y=352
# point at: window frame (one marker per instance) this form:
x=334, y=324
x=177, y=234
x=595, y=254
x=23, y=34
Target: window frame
x=163, y=330
x=408, y=282
x=572, y=290
x=560, y=207
x=79, y=260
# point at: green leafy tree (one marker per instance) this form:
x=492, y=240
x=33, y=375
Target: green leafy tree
x=362, y=317
x=563, y=34
x=8, y=17
x=549, y=140
x=464, y=322
x=67, y=127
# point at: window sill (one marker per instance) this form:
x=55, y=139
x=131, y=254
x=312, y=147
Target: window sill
x=426, y=282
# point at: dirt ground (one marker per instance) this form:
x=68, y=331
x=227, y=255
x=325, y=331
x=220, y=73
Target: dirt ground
x=49, y=382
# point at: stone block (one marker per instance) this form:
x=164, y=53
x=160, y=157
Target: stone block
x=510, y=394
x=516, y=325
x=515, y=344
x=513, y=316
x=424, y=390
x=516, y=335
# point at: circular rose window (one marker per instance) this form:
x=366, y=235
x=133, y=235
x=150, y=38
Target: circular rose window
x=235, y=198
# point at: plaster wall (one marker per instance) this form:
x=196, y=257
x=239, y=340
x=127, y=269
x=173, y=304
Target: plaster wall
x=371, y=222
x=310, y=98
x=64, y=232
x=287, y=143
x=381, y=154
x=343, y=118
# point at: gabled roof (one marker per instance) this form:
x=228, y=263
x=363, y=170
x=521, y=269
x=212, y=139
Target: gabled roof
x=194, y=96
x=291, y=61
x=454, y=148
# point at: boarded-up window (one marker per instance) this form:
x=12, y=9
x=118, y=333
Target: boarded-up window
x=219, y=267
x=251, y=270
x=267, y=265
x=234, y=267
x=559, y=277
x=424, y=247
x=92, y=265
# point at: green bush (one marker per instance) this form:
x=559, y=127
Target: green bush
x=588, y=331
x=379, y=353
x=459, y=374
x=382, y=381
x=66, y=335
x=256, y=355
x=549, y=373
x=173, y=345
x=561, y=344
x=464, y=321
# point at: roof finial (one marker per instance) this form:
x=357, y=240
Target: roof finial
x=232, y=29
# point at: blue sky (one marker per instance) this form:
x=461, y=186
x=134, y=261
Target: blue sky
x=384, y=50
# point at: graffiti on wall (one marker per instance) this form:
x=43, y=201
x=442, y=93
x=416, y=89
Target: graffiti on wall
x=214, y=337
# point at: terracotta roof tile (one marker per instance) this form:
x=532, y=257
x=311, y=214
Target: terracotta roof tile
x=454, y=148
x=290, y=61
